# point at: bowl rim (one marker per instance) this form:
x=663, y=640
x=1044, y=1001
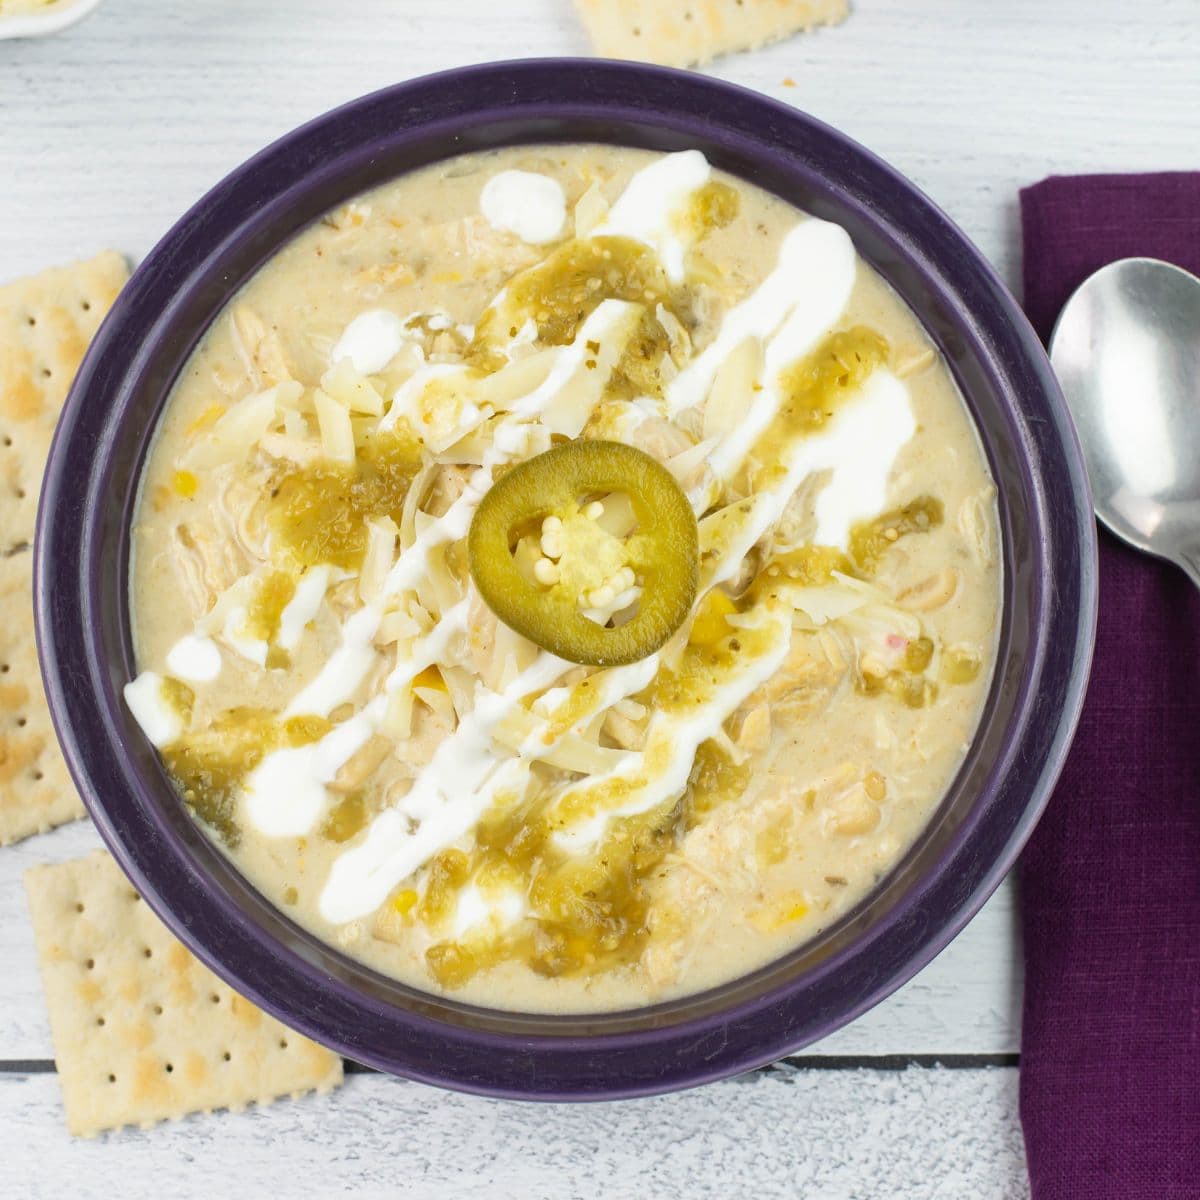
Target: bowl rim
x=533, y=1064
x=39, y=24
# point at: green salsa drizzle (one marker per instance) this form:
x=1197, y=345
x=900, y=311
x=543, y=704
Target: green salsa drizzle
x=319, y=513
x=566, y=287
x=209, y=767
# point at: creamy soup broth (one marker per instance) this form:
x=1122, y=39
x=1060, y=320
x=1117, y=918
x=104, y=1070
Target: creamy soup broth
x=845, y=652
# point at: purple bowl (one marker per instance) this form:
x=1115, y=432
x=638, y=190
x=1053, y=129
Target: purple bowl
x=1045, y=642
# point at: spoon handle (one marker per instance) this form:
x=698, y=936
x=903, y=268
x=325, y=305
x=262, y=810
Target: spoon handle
x=1189, y=561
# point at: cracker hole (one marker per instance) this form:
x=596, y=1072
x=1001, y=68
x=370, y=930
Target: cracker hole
x=147, y=952
x=283, y=1043
x=215, y=998
x=101, y=1021
x=227, y=1056
x=38, y=776
x=20, y=493
x=31, y=320
x=46, y=373
x=79, y=908
x=21, y=723
x=86, y=306
x=7, y=440
x=112, y=1079
x=157, y=1010
x=90, y=964
x=3, y=668
x=170, y=1067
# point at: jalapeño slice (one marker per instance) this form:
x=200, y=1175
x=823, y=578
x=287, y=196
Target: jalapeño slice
x=565, y=600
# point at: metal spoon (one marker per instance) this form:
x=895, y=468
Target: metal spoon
x=1127, y=353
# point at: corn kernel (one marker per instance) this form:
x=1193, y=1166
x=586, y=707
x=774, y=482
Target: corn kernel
x=773, y=917
x=185, y=484
x=208, y=417
x=430, y=677
x=710, y=625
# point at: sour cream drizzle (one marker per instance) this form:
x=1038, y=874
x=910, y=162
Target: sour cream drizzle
x=818, y=294
x=811, y=283
x=562, y=704
x=675, y=737
x=233, y=633
x=344, y=670
x=649, y=208
x=859, y=448
x=476, y=908
x=433, y=647
x=159, y=721
x=427, y=821
x=794, y=307
x=409, y=402
x=277, y=801
x=371, y=341
x=302, y=608
x=194, y=658
x=446, y=800
x=526, y=203
x=347, y=667
x=285, y=794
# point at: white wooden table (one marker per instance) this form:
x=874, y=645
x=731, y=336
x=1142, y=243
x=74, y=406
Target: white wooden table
x=109, y=131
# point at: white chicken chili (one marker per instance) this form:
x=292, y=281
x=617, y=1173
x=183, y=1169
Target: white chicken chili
x=383, y=721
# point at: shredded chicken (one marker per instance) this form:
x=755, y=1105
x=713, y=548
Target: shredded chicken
x=754, y=729
x=471, y=240
x=797, y=524
x=362, y=765
x=428, y=731
x=975, y=525
x=189, y=571
x=853, y=813
x=661, y=439
x=911, y=359
x=205, y=563
x=931, y=593
x=260, y=348
x=481, y=640
x=281, y=446
x=448, y=483
x=629, y=735
x=244, y=519
x=803, y=684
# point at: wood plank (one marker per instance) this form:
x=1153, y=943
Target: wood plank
x=969, y=100
x=816, y=1134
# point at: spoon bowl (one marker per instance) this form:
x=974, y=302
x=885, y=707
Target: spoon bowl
x=1127, y=353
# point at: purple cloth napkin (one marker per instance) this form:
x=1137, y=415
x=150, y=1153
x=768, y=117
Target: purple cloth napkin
x=1110, y=1058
